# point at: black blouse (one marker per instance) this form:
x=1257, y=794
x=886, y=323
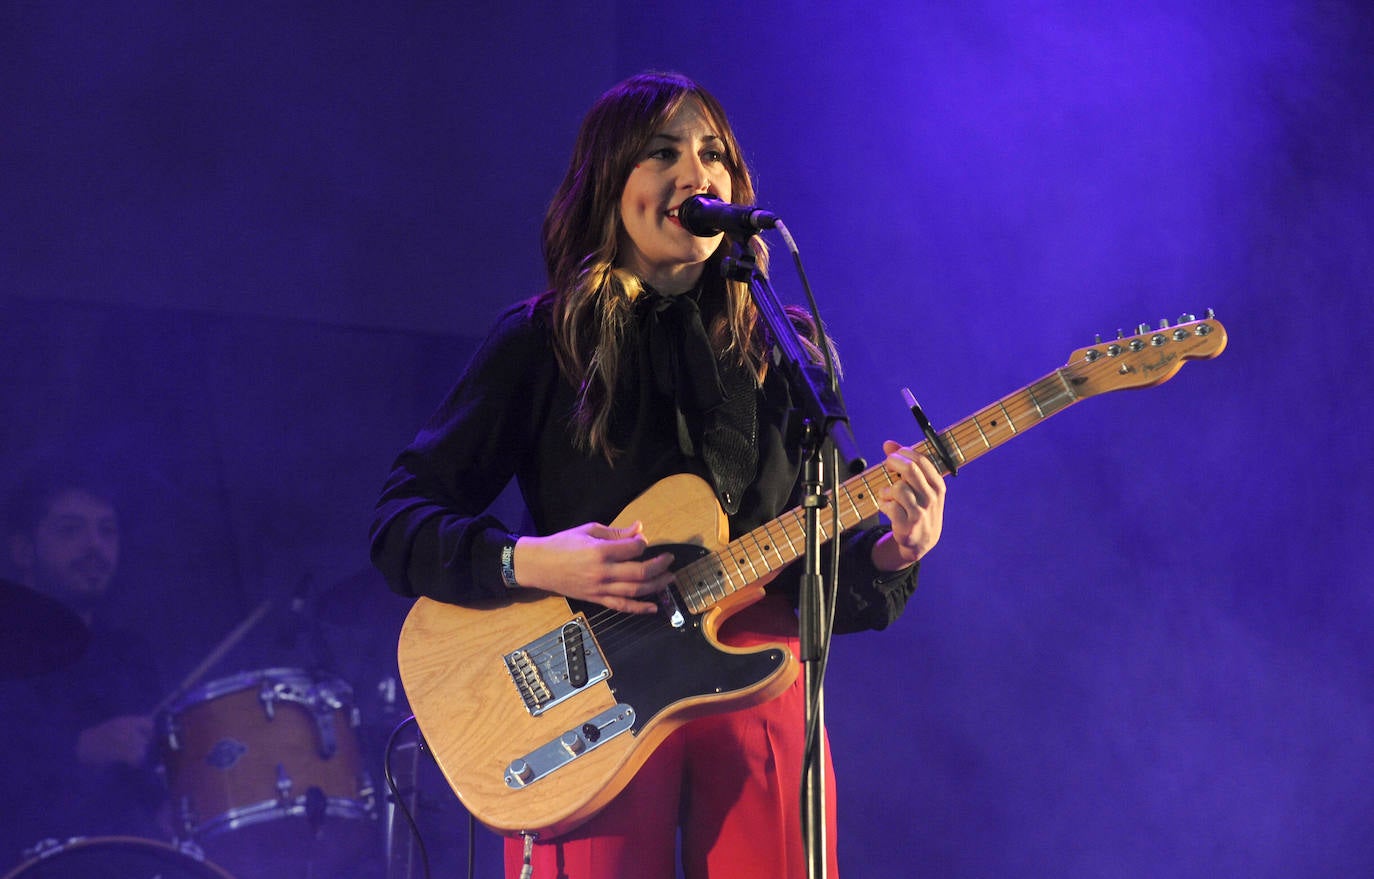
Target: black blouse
x=509, y=415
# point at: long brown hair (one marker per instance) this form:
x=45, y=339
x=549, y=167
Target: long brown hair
x=591, y=296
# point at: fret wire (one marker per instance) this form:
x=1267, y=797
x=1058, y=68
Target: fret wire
x=1047, y=388
x=762, y=557
x=716, y=578
x=699, y=599
x=1011, y=424
x=713, y=582
x=773, y=542
x=700, y=574
x=854, y=507
x=870, y=499
x=1068, y=388
x=981, y=433
x=958, y=449
x=737, y=550
x=786, y=532
x=821, y=521
x=869, y=489
x=728, y=580
x=794, y=524
x=738, y=563
x=970, y=432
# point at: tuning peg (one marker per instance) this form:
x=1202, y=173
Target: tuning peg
x=1142, y=329
x=1163, y=323
x=1211, y=314
x=1186, y=318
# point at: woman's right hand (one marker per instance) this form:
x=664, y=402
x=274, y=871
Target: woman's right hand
x=595, y=563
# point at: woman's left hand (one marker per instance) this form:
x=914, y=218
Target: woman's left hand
x=914, y=504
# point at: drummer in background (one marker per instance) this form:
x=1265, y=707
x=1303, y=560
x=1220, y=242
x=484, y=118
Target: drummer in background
x=76, y=740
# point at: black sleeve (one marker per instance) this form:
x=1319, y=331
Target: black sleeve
x=867, y=598
x=431, y=534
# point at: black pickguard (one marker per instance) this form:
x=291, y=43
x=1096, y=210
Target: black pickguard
x=655, y=665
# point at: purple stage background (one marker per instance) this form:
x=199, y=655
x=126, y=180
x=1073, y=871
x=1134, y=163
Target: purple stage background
x=244, y=248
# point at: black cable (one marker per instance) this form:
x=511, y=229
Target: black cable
x=400, y=802
x=812, y=748
x=472, y=847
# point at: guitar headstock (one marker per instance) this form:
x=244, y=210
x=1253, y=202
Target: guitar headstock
x=1149, y=358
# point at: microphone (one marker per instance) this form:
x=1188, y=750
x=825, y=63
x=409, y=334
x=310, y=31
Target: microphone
x=707, y=217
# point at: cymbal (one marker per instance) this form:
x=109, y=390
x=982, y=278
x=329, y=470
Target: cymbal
x=37, y=634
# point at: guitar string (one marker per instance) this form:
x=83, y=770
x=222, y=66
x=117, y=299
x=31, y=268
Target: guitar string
x=619, y=630
x=700, y=579
x=614, y=630
x=707, y=574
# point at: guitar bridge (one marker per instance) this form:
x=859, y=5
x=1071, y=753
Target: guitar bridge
x=556, y=666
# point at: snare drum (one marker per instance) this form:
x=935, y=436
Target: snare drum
x=268, y=761
x=116, y=857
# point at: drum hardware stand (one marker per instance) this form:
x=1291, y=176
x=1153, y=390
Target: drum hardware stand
x=189, y=848
x=316, y=807
x=214, y=656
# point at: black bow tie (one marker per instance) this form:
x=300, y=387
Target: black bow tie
x=717, y=420
x=679, y=352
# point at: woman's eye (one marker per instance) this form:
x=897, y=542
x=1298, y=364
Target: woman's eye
x=713, y=156
x=665, y=153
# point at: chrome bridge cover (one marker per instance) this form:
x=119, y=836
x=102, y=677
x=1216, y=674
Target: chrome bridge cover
x=556, y=666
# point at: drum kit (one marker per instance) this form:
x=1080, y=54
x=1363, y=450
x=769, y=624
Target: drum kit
x=265, y=769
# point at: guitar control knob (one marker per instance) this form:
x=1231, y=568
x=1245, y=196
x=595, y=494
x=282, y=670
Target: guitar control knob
x=519, y=773
x=573, y=743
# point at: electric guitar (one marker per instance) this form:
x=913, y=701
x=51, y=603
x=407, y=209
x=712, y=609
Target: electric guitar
x=539, y=709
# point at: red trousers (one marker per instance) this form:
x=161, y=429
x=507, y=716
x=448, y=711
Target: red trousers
x=730, y=783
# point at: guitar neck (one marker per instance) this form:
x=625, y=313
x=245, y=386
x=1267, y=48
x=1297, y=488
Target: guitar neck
x=769, y=547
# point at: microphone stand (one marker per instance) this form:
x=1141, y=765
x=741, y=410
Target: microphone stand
x=823, y=419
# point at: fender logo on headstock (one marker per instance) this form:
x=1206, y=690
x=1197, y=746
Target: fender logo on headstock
x=1163, y=361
